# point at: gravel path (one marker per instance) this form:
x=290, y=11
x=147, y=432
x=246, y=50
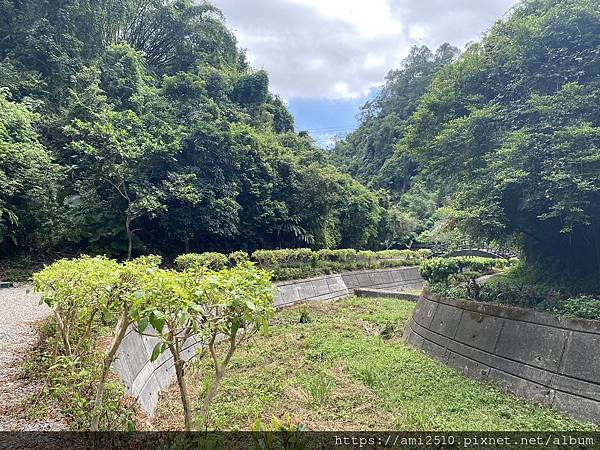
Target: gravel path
x=19, y=311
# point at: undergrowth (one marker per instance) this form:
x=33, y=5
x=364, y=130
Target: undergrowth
x=69, y=383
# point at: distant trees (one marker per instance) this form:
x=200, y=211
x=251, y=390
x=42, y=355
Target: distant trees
x=369, y=152
x=505, y=135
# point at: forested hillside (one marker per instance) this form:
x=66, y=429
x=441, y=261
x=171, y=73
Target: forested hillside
x=133, y=126
x=369, y=152
x=510, y=132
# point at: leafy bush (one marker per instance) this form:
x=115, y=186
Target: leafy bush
x=203, y=304
x=78, y=290
x=291, y=256
x=85, y=294
x=210, y=260
x=197, y=303
x=438, y=270
x=366, y=258
x=341, y=255
x=584, y=306
x=290, y=264
x=238, y=257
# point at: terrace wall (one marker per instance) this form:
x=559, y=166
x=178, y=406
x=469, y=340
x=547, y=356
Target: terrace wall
x=532, y=354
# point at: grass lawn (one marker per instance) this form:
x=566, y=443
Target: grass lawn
x=348, y=369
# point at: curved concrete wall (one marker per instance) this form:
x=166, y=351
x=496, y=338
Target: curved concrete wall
x=532, y=354
x=145, y=380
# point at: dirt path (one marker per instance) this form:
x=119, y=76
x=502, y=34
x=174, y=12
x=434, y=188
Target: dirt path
x=19, y=311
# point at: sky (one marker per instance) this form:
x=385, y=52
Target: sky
x=325, y=58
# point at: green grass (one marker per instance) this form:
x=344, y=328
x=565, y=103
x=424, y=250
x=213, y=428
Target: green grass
x=348, y=369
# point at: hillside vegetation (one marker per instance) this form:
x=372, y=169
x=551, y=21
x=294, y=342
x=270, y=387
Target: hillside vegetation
x=505, y=137
x=137, y=126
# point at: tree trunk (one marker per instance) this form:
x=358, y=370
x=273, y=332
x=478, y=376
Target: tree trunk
x=64, y=333
x=186, y=245
x=183, y=391
x=219, y=374
x=120, y=331
x=129, y=237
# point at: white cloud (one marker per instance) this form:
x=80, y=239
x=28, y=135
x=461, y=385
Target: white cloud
x=339, y=49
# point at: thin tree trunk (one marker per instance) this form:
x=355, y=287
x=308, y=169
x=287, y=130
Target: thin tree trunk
x=219, y=373
x=64, y=333
x=183, y=391
x=120, y=331
x=129, y=237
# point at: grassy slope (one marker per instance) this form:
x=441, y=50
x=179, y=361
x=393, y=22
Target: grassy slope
x=338, y=373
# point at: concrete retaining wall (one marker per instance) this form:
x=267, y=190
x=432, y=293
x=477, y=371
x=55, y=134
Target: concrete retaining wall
x=145, y=380
x=532, y=354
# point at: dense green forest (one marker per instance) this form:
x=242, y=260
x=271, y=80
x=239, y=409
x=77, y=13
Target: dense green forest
x=135, y=126
x=505, y=136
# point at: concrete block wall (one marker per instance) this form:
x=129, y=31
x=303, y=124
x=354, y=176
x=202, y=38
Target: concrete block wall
x=145, y=380
x=532, y=354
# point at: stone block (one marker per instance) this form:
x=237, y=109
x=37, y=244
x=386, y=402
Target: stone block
x=445, y=320
x=532, y=344
x=479, y=330
x=581, y=408
x=306, y=290
x=522, y=387
x=575, y=386
x=165, y=374
x=468, y=367
x=133, y=356
x=364, y=280
x=435, y=351
x=336, y=284
x=149, y=396
x=578, y=361
x=350, y=280
x=321, y=287
x=424, y=312
x=140, y=381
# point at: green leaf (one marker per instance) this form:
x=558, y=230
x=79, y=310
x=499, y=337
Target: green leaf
x=157, y=320
x=142, y=325
x=235, y=326
x=158, y=350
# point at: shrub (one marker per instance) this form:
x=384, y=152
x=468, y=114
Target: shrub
x=424, y=253
x=210, y=260
x=409, y=256
x=437, y=270
x=584, y=306
x=391, y=254
x=238, y=257
x=83, y=290
x=341, y=255
x=199, y=304
x=291, y=256
x=366, y=258
x=77, y=290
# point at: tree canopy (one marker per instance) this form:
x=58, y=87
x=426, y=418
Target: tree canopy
x=506, y=134
x=513, y=125
x=145, y=129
